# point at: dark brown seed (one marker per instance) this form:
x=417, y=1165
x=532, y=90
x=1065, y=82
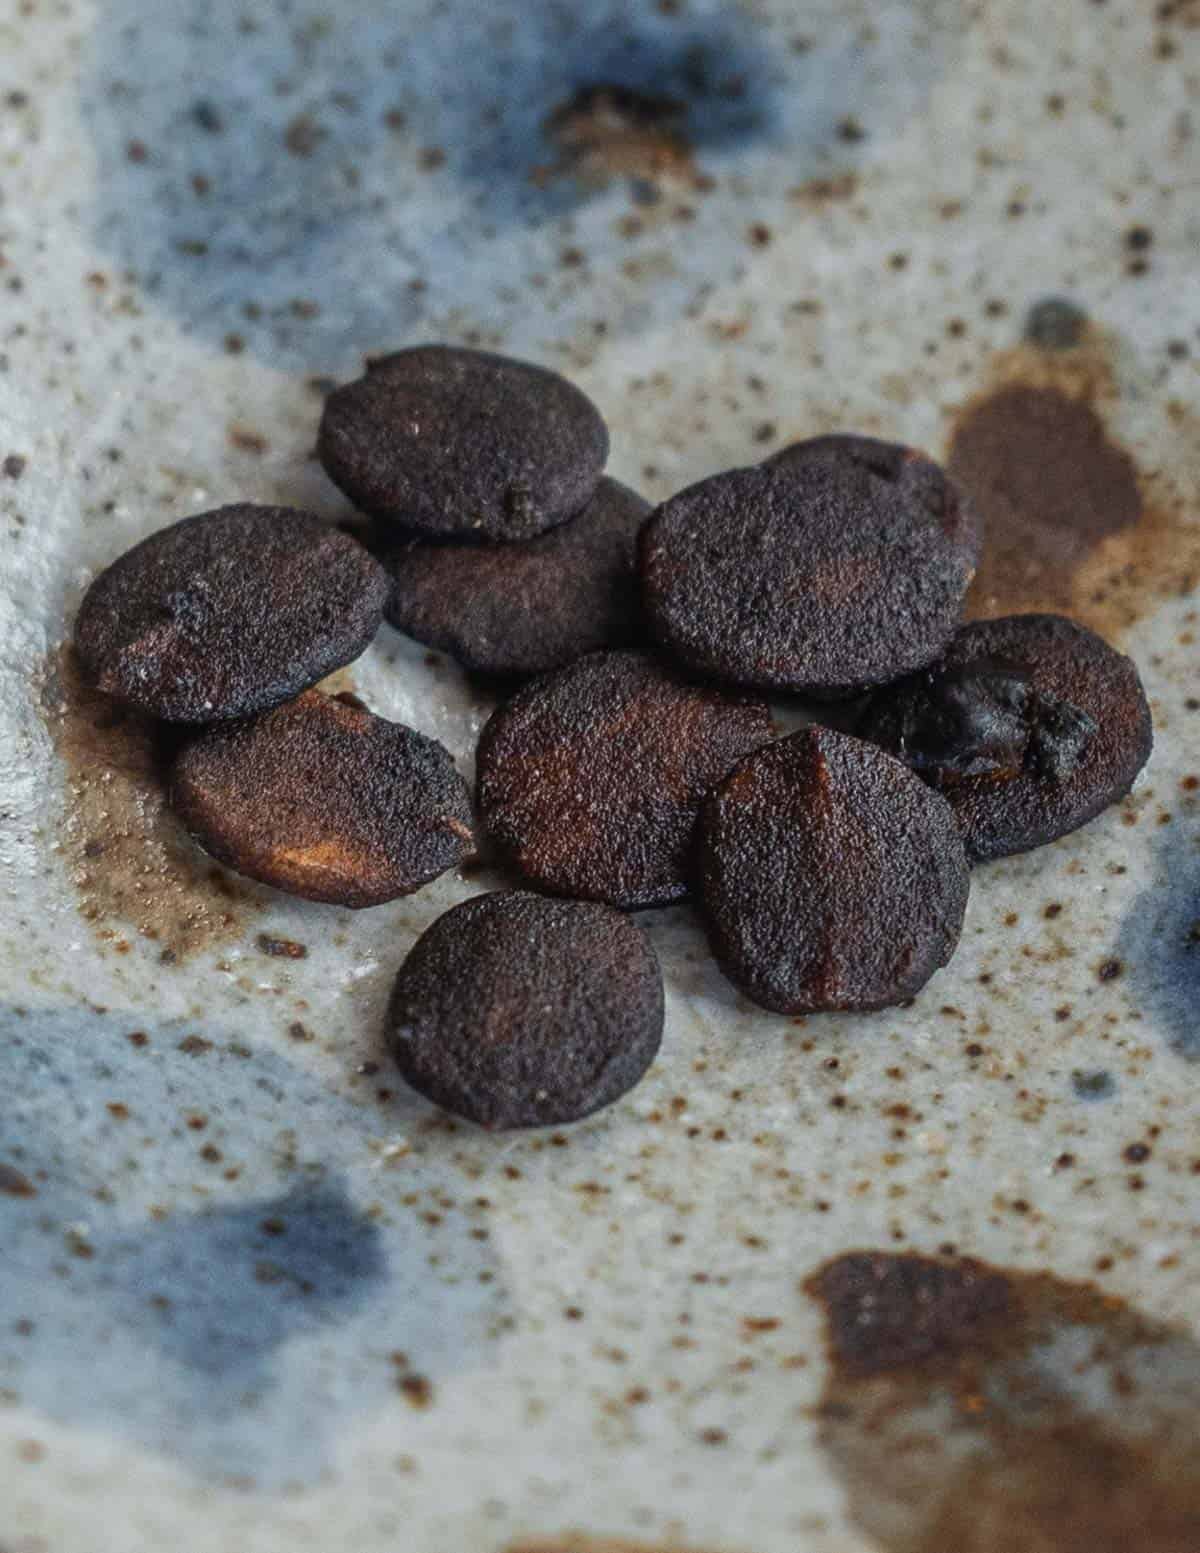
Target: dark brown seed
x=886, y=459
x=229, y=613
x=1030, y=726
x=831, y=878
x=820, y=572
x=980, y=719
x=526, y=608
x=325, y=801
x=591, y=778
x=517, y=1011
x=459, y=444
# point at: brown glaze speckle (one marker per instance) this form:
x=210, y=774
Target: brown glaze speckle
x=15, y=1183
x=417, y=1391
x=281, y=948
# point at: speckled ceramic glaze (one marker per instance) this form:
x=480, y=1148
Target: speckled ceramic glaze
x=256, y=1295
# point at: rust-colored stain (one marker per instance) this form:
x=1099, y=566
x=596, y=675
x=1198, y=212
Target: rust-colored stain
x=1071, y=523
x=608, y=131
x=982, y=1410
x=137, y=871
x=15, y=1183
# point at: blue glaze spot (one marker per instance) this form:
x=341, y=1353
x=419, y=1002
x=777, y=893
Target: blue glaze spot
x=237, y=1325
x=221, y=1291
x=1160, y=943
x=325, y=184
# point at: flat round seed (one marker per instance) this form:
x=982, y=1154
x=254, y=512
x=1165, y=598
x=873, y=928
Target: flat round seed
x=459, y=444
x=591, y=778
x=517, y=1011
x=526, y=608
x=326, y=801
x=229, y=613
x=831, y=877
x=814, y=573
x=1030, y=726
x=886, y=459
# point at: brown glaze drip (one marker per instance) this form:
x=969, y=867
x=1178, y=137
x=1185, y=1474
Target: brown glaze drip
x=1070, y=522
x=137, y=872
x=982, y=1410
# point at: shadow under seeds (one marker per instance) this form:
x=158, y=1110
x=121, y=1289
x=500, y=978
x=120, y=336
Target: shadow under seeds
x=312, y=185
x=1160, y=943
x=237, y=1325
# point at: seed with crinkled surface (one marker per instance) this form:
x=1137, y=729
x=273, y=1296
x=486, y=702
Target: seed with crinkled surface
x=831, y=877
x=1030, y=726
x=518, y=1011
x=325, y=800
x=591, y=778
x=820, y=573
x=229, y=613
x=526, y=608
x=460, y=444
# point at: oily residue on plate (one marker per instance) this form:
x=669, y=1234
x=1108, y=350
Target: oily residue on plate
x=1071, y=523
x=137, y=871
x=983, y=1410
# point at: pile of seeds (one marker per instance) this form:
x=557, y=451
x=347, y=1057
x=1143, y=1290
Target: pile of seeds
x=639, y=764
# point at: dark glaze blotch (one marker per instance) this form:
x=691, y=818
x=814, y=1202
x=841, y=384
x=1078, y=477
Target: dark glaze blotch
x=969, y=1408
x=889, y=1312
